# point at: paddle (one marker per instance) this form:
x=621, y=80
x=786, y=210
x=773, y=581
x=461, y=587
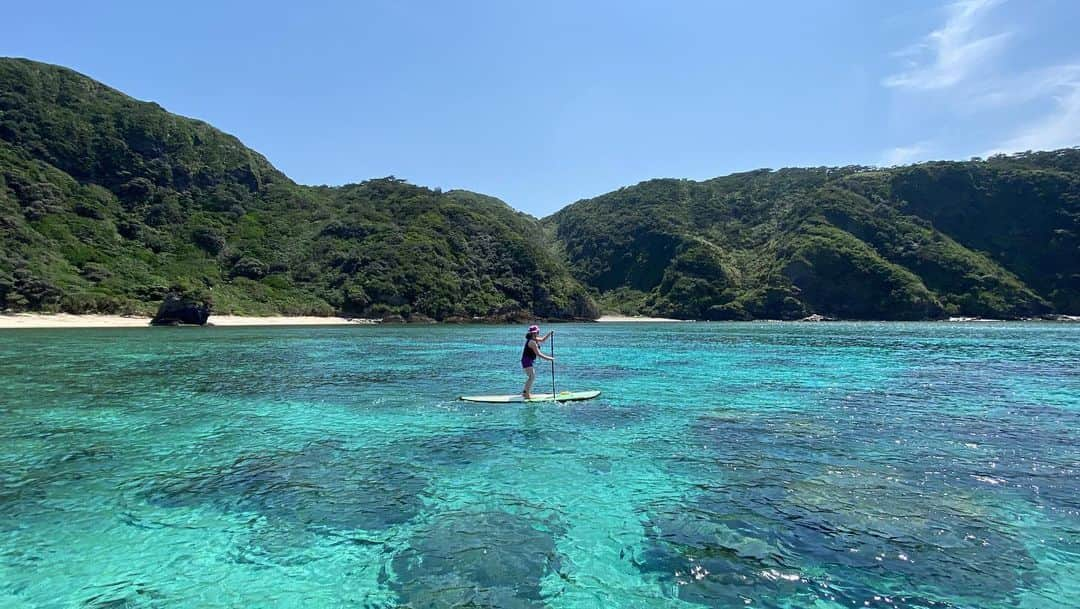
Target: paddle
x=553, y=392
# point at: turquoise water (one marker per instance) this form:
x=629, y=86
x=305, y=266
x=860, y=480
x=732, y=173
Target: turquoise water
x=725, y=465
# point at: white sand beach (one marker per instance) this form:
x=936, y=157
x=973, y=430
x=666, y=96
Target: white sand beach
x=237, y=320
x=625, y=318
x=66, y=320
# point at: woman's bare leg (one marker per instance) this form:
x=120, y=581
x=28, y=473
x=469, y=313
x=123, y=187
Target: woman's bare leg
x=529, y=382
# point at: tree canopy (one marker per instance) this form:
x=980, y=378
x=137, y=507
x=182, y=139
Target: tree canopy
x=106, y=202
x=996, y=238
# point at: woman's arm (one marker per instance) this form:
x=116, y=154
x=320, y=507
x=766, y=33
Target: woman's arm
x=536, y=349
x=540, y=340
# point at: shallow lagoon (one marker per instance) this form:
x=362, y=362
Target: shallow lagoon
x=725, y=465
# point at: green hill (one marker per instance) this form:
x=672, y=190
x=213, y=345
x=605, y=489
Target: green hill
x=106, y=202
x=995, y=238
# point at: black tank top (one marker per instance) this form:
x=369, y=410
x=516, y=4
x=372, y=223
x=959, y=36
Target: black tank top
x=528, y=353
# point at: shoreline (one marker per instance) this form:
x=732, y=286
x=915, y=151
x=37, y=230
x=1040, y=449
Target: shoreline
x=634, y=319
x=9, y=321
x=67, y=320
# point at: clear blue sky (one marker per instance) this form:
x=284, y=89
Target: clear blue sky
x=544, y=103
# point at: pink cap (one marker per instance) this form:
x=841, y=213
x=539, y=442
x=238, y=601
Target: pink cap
x=534, y=328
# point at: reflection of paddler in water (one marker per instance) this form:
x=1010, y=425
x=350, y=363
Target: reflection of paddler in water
x=529, y=355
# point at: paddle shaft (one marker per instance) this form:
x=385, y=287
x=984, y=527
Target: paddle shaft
x=553, y=392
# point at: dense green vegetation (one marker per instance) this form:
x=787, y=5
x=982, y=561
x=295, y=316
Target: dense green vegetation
x=994, y=238
x=107, y=202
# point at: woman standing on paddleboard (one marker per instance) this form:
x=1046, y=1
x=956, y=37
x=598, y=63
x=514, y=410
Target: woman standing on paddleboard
x=529, y=355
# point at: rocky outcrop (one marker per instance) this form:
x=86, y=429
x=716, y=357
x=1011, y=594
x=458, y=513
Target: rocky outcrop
x=180, y=308
x=816, y=317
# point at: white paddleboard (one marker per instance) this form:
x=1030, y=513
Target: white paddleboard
x=562, y=396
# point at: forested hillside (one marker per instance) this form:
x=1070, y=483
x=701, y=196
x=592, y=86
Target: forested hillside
x=107, y=202
x=994, y=238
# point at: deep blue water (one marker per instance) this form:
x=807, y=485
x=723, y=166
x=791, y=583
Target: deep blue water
x=725, y=465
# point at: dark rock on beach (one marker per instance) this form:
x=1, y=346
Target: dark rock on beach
x=181, y=308
x=817, y=317
x=1058, y=317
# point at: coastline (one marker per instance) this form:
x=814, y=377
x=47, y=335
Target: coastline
x=9, y=321
x=67, y=320
x=629, y=318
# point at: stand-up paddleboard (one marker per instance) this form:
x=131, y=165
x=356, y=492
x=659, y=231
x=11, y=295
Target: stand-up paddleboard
x=562, y=396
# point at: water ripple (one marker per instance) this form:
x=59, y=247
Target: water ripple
x=761, y=465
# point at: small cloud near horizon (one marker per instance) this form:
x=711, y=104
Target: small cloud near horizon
x=1058, y=129
x=905, y=155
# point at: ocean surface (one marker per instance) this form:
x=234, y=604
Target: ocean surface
x=725, y=465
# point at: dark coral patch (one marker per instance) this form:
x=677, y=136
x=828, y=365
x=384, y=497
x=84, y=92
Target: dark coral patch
x=320, y=485
x=801, y=510
x=601, y=415
x=484, y=559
